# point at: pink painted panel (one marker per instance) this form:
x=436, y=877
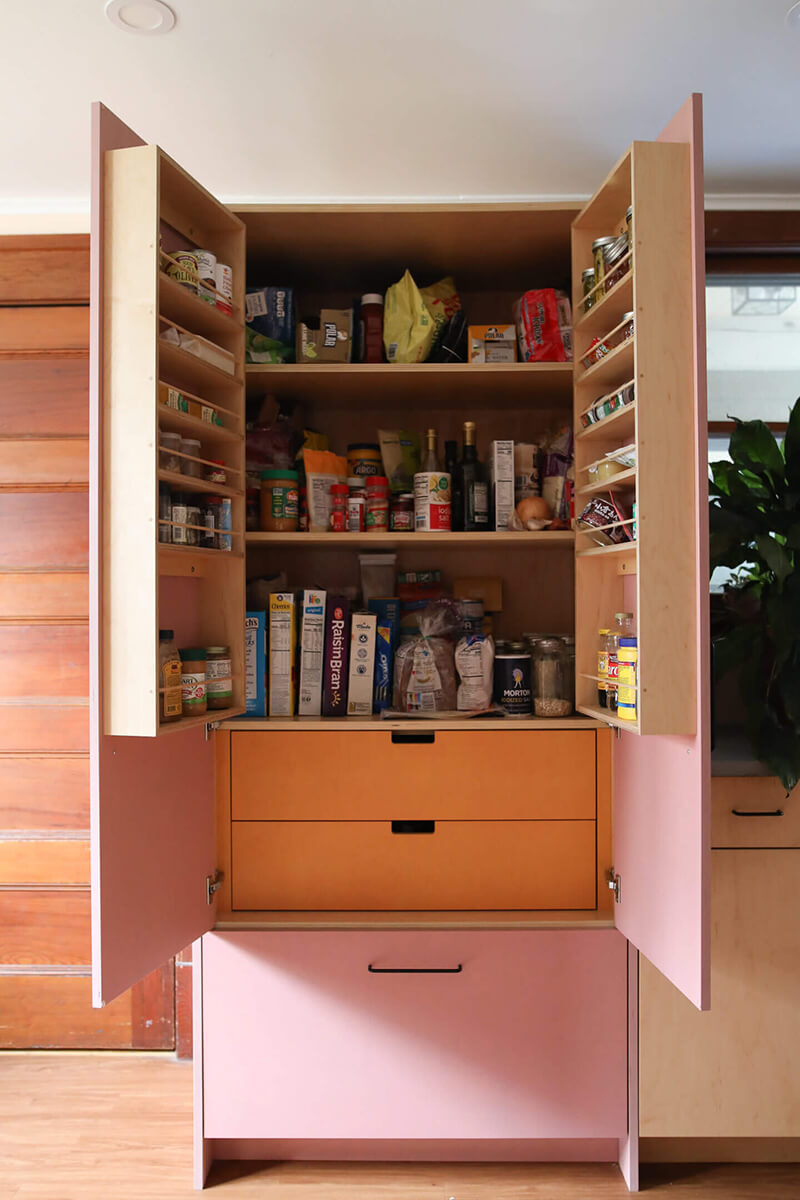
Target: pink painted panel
x=152, y=803
x=629, y=1145
x=302, y=1041
x=662, y=832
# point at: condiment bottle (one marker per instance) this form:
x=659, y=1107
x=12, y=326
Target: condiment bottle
x=377, y=504
x=627, y=656
x=473, y=483
x=431, y=491
x=219, y=684
x=170, y=706
x=602, y=668
x=193, y=681
x=371, y=341
x=338, y=517
x=456, y=494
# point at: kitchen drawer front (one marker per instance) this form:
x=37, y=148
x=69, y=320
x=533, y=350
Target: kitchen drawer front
x=302, y=1041
x=364, y=865
x=736, y=803
x=507, y=775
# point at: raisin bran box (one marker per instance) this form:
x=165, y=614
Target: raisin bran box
x=337, y=657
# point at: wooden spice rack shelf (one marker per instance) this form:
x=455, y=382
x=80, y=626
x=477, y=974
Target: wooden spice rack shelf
x=609, y=310
x=188, y=483
x=619, y=480
x=614, y=368
x=525, y=540
x=185, y=307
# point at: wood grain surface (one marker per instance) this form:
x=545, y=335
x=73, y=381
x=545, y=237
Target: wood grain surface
x=87, y=1127
x=48, y=792
x=44, y=396
x=44, y=461
x=44, y=595
x=44, y=269
x=52, y=862
x=45, y=330
x=44, y=926
x=58, y=728
x=44, y=660
x=44, y=530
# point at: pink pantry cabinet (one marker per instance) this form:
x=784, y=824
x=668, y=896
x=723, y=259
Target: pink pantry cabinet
x=460, y=1034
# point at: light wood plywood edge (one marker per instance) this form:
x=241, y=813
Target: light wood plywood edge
x=521, y=919
x=130, y=489
x=222, y=770
x=667, y=587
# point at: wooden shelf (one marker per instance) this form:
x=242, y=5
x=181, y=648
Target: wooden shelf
x=193, y=372
x=175, y=421
x=518, y=385
x=208, y=718
x=528, y=540
x=431, y=919
x=606, y=717
x=188, y=483
x=193, y=561
x=622, y=421
x=592, y=489
x=177, y=303
x=378, y=724
x=609, y=310
x=604, y=551
x=614, y=368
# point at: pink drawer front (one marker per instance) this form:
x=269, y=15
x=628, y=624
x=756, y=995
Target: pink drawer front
x=302, y=1040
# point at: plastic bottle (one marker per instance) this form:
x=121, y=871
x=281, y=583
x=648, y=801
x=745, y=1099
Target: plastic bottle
x=602, y=668
x=170, y=703
x=624, y=628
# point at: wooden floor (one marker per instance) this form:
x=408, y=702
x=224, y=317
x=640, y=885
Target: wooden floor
x=77, y=1126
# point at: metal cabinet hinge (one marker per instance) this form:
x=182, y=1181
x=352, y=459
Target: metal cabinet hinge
x=614, y=884
x=213, y=884
x=209, y=727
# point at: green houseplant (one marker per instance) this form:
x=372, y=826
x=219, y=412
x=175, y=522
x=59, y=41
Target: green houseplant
x=754, y=519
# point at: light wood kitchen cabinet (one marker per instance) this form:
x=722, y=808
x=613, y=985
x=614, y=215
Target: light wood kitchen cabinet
x=595, y=839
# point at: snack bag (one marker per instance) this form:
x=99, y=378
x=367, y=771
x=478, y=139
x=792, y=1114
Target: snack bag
x=544, y=326
x=442, y=302
x=425, y=673
x=400, y=452
x=475, y=664
x=323, y=469
x=408, y=327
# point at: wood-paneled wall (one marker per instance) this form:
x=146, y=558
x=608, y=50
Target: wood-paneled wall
x=45, y=995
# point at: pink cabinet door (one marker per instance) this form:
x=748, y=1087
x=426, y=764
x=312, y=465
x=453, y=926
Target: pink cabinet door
x=152, y=802
x=662, y=784
x=501, y=1034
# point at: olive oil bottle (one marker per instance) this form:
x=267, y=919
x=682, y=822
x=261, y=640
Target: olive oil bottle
x=474, y=488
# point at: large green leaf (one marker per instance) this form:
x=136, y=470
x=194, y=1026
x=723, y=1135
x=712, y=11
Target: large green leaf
x=791, y=448
x=776, y=556
x=753, y=447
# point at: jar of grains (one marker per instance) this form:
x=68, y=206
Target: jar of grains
x=551, y=678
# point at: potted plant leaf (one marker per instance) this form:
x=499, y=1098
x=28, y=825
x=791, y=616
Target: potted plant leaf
x=754, y=525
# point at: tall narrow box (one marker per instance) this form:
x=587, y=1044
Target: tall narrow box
x=282, y=641
x=255, y=663
x=312, y=653
x=362, y=664
x=337, y=656
x=501, y=477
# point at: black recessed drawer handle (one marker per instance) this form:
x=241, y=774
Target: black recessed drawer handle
x=743, y=813
x=415, y=970
x=413, y=827
x=413, y=739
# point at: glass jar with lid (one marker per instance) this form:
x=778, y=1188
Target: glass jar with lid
x=551, y=678
x=219, y=684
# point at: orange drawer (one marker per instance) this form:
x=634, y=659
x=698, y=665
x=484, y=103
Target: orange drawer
x=472, y=775
x=374, y=865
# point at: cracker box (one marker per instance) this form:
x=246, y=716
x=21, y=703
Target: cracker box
x=501, y=480
x=282, y=642
x=255, y=663
x=312, y=649
x=362, y=664
x=492, y=343
x=331, y=342
x=337, y=656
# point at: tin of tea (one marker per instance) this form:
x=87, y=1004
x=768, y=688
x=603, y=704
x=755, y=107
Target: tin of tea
x=472, y=616
x=512, y=679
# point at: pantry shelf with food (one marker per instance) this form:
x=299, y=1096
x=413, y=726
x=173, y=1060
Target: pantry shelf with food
x=376, y=598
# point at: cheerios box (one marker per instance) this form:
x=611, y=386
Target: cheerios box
x=492, y=343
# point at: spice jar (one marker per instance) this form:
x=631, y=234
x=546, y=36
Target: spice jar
x=614, y=269
x=587, y=283
x=180, y=517
x=550, y=673
x=279, y=500
x=627, y=328
x=208, y=534
x=194, y=518
x=356, y=505
x=219, y=684
x=216, y=473
x=339, y=497
x=371, y=316
x=598, y=254
x=193, y=681
x=512, y=678
x=377, y=504
x=220, y=507
x=401, y=513
x=191, y=446
x=164, y=514
x=169, y=447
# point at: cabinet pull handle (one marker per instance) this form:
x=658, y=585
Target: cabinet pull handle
x=415, y=970
x=413, y=739
x=756, y=813
x=413, y=827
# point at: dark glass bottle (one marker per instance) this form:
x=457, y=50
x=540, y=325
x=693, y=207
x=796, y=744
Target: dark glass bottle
x=473, y=482
x=451, y=466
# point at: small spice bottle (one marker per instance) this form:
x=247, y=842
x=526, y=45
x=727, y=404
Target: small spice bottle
x=401, y=513
x=169, y=447
x=191, y=446
x=587, y=283
x=219, y=685
x=377, y=504
x=216, y=473
x=193, y=681
x=279, y=500
x=339, y=496
x=356, y=505
x=599, y=247
x=371, y=316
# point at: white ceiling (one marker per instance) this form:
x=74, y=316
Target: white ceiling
x=281, y=99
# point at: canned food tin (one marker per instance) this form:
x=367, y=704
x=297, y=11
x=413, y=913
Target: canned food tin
x=207, y=276
x=184, y=269
x=512, y=679
x=224, y=280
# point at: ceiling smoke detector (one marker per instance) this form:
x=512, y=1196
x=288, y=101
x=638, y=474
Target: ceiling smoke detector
x=140, y=16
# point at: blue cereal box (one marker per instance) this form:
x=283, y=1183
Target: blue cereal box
x=384, y=655
x=255, y=659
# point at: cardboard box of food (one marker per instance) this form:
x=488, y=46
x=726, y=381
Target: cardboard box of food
x=331, y=342
x=337, y=656
x=492, y=343
x=312, y=652
x=255, y=663
x=501, y=481
x=282, y=642
x=362, y=664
